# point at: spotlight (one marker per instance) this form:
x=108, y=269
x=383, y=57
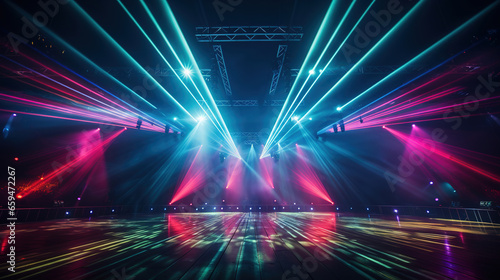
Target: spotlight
x=125, y=128
x=15, y=115
x=428, y=211
x=295, y=118
x=187, y=72
x=395, y=210
x=175, y=119
x=431, y=183
x=79, y=199
x=19, y=196
x=312, y=72
x=413, y=125
x=310, y=119
x=436, y=199
x=139, y=123
x=113, y=210
x=98, y=128
x=201, y=118
x=91, y=211
x=67, y=213
x=383, y=126
x=339, y=109
x=367, y=209
x=341, y=124
x=312, y=209
x=16, y=159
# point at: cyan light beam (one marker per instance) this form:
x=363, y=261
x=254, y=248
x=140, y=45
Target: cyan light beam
x=284, y=121
x=324, y=24
x=127, y=55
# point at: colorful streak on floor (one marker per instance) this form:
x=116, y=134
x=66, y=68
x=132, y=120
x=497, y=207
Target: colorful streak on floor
x=255, y=246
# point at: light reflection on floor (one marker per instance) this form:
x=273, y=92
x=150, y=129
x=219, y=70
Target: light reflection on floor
x=255, y=246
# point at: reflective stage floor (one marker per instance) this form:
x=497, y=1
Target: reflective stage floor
x=255, y=246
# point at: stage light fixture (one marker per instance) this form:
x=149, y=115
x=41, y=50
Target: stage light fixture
x=19, y=196
x=67, y=213
x=113, y=210
x=79, y=199
x=175, y=119
x=15, y=115
x=428, y=211
x=201, y=118
x=139, y=123
x=312, y=72
x=413, y=125
x=431, y=183
x=16, y=159
x=436, y=199
x=91, y=211
x=395, y=210
x=310, y=119
x=383, y=126
x=295, y=118
x=312, y=209
x=339, y=109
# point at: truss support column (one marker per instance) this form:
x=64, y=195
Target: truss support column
x=222, y=68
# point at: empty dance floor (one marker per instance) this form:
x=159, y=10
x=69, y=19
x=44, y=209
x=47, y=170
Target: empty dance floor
x=256, y=246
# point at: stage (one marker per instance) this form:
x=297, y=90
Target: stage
x=256, y=246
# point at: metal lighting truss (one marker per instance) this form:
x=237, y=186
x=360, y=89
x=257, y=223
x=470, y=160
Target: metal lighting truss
x=249, y=33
